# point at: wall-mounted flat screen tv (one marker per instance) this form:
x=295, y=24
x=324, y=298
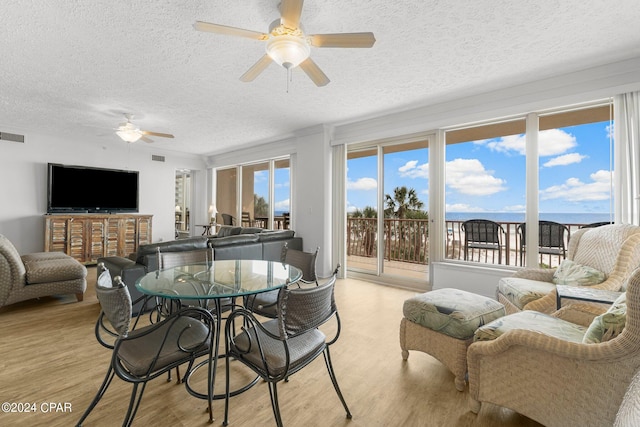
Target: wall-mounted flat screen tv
x=77, y=189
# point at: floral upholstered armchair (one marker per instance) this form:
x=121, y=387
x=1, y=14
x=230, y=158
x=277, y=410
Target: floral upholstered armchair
x=602, y=257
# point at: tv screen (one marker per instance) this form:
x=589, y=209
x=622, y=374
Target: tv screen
x=77, y=189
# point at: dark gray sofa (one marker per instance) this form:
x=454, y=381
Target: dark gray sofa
x=229, y=243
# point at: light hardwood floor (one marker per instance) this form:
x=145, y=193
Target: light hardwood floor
x=49, y=354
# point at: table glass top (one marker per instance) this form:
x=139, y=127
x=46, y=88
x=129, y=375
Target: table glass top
x=218, y=279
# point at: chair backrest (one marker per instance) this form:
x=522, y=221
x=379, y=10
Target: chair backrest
x=612, y=249
x=550, y=234
x=177, y=259
x=482, y=231
x=285, y=220
x=115, y=301
x=228, y=219
x=12, y=270
x=305, y=261
x=302, y=309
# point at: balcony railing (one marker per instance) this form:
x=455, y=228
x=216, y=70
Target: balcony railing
x=407, y=240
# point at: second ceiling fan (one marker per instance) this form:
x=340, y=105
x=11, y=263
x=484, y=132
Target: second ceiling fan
x=287, y=45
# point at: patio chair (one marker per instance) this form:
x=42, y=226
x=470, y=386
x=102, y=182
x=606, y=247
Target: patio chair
x=482, y=234
x=144, y=353
x=246, y=220
x=552, y=239
x=280, y=347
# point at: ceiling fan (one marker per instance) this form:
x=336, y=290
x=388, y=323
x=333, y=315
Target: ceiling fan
x=287, y=45
x=131, y=133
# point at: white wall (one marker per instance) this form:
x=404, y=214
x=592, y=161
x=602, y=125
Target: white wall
x=23, y=181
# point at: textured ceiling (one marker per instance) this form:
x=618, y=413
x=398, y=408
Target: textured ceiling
x=71, y=68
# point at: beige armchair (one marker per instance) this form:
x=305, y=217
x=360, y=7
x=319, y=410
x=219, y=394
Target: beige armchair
x=557, y=381
x=38, y=274
x=612, y=249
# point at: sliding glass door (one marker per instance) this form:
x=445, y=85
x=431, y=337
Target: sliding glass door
x=387, y=209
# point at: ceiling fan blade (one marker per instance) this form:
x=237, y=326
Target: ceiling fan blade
x=290, y=11
x=256, y=69
x=314, y=72
x=229, y=31
x=145, y=139
x=162, y=135
x=343, y=40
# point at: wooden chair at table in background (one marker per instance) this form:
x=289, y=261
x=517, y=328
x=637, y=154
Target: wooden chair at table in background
x=228, y=219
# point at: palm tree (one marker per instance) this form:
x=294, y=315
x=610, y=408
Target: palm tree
x=260, y=206
x=403, y=201
x=404, y=204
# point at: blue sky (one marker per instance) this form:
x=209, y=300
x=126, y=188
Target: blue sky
x=489, y=175
x=282, y=187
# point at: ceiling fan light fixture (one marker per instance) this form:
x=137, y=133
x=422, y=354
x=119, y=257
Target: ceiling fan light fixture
x=288, y=51
x=129, y=135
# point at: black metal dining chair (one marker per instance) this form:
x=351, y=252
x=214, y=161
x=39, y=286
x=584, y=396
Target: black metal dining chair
x=553, y=239
x=264, y=303
x=280, y=347
x=144, y=353
x=482, y=234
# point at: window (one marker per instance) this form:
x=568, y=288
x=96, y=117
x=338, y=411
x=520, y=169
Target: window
x=264, y=190
x=488, y=177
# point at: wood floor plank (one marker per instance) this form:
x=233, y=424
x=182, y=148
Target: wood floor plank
x=49, y=354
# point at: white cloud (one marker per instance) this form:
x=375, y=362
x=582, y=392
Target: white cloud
x=574, y=190
x=411, y=169
x=462, y=207
x=468, y=176
x=565, y=159
x=281, y=205
x=283, y=184
x=362, y=184
x=515, y=208
x=551, y=142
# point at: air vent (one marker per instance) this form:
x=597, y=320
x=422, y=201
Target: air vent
x=157, y=158
x=5, y=136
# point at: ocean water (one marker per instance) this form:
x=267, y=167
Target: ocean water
x=563, y=218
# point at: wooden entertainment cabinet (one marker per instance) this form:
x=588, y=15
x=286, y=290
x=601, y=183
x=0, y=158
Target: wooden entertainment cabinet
x=87, y=237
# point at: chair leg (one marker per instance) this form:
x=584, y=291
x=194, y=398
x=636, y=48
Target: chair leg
x=134, y=403
x=332, y=375
x=273, y=394
x=101, y=391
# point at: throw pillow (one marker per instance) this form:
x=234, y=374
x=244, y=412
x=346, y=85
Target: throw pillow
x=609, y=324
x=574, y=274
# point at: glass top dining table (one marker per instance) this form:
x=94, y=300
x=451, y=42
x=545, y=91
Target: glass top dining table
x=214, y=282
x=218, y=279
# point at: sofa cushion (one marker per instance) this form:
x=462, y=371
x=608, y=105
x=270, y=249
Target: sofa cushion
x=267, y=236
x=574, y=274
x=58, y=269
x=453, y=312
x=523, y=291
x=531, y=321
x=251, y=230
x=228, y=230
x=233, y=240
x=609, y=324
x=189, y=244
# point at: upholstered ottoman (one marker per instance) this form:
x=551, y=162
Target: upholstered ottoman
x=442, y=322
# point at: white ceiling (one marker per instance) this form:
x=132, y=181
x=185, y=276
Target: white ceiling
x=71, y=68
